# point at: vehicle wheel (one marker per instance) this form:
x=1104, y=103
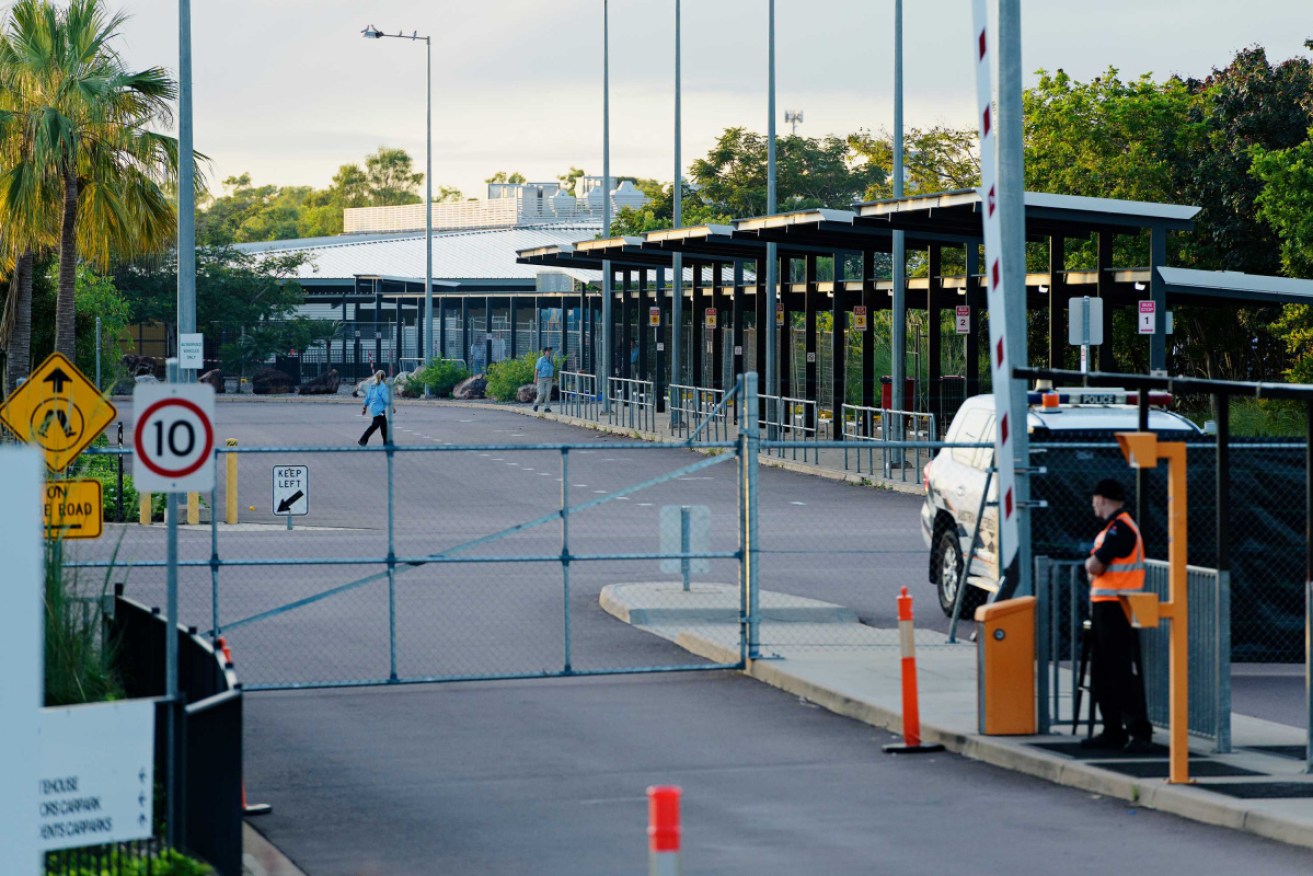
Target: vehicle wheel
x=948, y=568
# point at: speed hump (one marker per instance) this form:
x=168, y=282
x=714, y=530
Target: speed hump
x=173, y=437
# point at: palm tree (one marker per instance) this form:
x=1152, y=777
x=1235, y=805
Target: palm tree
x=77, y=121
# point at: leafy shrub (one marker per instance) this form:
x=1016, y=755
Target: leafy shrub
x=507, y=376
x=79, y=660
x=440, y=376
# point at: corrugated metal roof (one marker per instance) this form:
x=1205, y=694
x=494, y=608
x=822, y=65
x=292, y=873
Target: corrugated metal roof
x=1236, y=286
x=462, y=255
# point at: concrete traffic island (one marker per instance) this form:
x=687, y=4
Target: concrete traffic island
x=822, y=653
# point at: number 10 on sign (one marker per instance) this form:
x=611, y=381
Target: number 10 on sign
x=173, y=438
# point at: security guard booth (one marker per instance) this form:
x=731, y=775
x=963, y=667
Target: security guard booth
x=1005, y=669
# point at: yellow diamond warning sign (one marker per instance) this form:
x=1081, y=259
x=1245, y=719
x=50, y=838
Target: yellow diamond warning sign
x=58, y=410
x=73, y=509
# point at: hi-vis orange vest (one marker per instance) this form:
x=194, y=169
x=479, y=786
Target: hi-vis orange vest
x=1123, y=574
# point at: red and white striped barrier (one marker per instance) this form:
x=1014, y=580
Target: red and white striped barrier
x=663, y=831
x=911, y=743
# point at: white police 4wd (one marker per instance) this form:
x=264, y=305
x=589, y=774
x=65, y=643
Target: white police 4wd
x=955, y=480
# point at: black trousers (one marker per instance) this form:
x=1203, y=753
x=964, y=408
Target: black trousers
x=1114, y=680
x=380, y=423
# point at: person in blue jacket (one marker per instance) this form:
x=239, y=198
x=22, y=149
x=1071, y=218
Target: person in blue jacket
x=543, y=371
x=377, y=399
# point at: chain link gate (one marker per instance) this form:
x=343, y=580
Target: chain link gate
x=410, y=573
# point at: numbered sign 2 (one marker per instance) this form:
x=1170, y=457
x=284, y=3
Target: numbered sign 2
x=173, y=438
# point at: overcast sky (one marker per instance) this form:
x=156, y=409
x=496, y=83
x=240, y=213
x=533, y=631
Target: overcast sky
x=289, y=90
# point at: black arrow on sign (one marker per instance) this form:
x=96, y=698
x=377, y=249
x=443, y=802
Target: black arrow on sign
x=141, y=819
x=58, y=378
x=141, y=776
x=141, y=799
x=286, y=505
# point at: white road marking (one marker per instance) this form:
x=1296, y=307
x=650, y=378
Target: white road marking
x=644, y=504
x=797, y=503
x=695, y=479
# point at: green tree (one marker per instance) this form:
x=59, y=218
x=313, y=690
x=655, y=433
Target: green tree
x=82, y=117
x=810, y=172
x=935, y=159
x=448, y=195
x=570, y=178
x=501, y=176
x=392, y=179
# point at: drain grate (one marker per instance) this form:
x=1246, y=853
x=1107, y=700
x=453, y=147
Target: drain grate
x=1261, y=790
x=1159, y=769
x=1073, y=750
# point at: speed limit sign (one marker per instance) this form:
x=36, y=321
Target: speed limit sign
x=173, y=438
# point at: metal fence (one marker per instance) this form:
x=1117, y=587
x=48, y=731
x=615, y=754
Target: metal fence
x=1063, y=592
x=578, y=395
x=790, y=428
x=633, y=404
x=875, y=431
x=698, y=408
x=362, y=596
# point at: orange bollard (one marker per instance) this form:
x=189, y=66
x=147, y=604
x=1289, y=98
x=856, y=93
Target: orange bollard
x=248, y=809
x=911, y=743
x=663, y=832
x=222, y=644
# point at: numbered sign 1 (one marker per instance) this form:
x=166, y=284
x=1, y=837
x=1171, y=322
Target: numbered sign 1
x=173, y=438
x=1147, y=309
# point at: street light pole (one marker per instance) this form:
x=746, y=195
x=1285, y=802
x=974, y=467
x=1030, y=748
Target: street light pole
x=677, y=263
x=772, y=258
x=186, y=317
x=372, y=33
x=606, y=205
x=899, y=334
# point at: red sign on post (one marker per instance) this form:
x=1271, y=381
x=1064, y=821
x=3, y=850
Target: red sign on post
x=709, y=317
x=859, y=318
x=1147, y=321
x=964, y=319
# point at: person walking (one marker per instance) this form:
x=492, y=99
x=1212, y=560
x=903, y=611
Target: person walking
x=543, y=373
x=378, y=398
x=1116, y=567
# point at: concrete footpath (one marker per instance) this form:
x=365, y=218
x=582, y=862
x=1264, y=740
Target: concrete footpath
x=822, y=653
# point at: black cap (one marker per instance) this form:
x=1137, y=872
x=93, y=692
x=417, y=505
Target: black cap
x=1110, y=488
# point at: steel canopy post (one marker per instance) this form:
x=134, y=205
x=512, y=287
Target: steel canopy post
x=899, y=337
x=607, y=334
x=428, y=209
x=770, y=330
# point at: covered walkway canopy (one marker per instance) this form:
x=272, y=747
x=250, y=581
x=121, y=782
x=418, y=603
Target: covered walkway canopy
x=837, y=261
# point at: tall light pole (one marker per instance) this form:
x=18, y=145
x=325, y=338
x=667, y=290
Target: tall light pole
x=372, y=33
x=606, y=205
x=677, y=263
x=186, y=319
x=899, y=338
x=772, y=258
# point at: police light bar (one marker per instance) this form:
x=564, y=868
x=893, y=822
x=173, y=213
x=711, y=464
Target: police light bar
x=1100, y=396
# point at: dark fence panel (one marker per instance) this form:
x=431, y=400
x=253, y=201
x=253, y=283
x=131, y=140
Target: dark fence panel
x=209, y=741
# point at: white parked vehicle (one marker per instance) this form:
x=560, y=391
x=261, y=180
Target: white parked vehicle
x=955, y=480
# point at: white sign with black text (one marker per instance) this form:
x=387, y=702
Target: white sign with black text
x=97, y=775
x=291, y=496
x=191, y=351
x=963, y=317
x=173, y=437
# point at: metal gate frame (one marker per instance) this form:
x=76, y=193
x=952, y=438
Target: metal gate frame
x=744, y=448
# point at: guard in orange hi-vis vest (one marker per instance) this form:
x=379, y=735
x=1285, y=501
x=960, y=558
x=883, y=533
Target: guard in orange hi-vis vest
x=1116, y=567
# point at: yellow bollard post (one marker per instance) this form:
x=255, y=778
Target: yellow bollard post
x=1143, y=450
x=143, y=511
x=193, y=509
x=230, y=484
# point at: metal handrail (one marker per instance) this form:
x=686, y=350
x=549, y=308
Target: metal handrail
x=879, y=426
x=633, y=403
x=692, y=406
x=579, y=396
x=786, y=419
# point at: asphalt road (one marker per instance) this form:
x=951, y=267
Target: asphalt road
x=549, y=775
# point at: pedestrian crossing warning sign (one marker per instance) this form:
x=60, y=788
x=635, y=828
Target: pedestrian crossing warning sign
x=58, y=410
